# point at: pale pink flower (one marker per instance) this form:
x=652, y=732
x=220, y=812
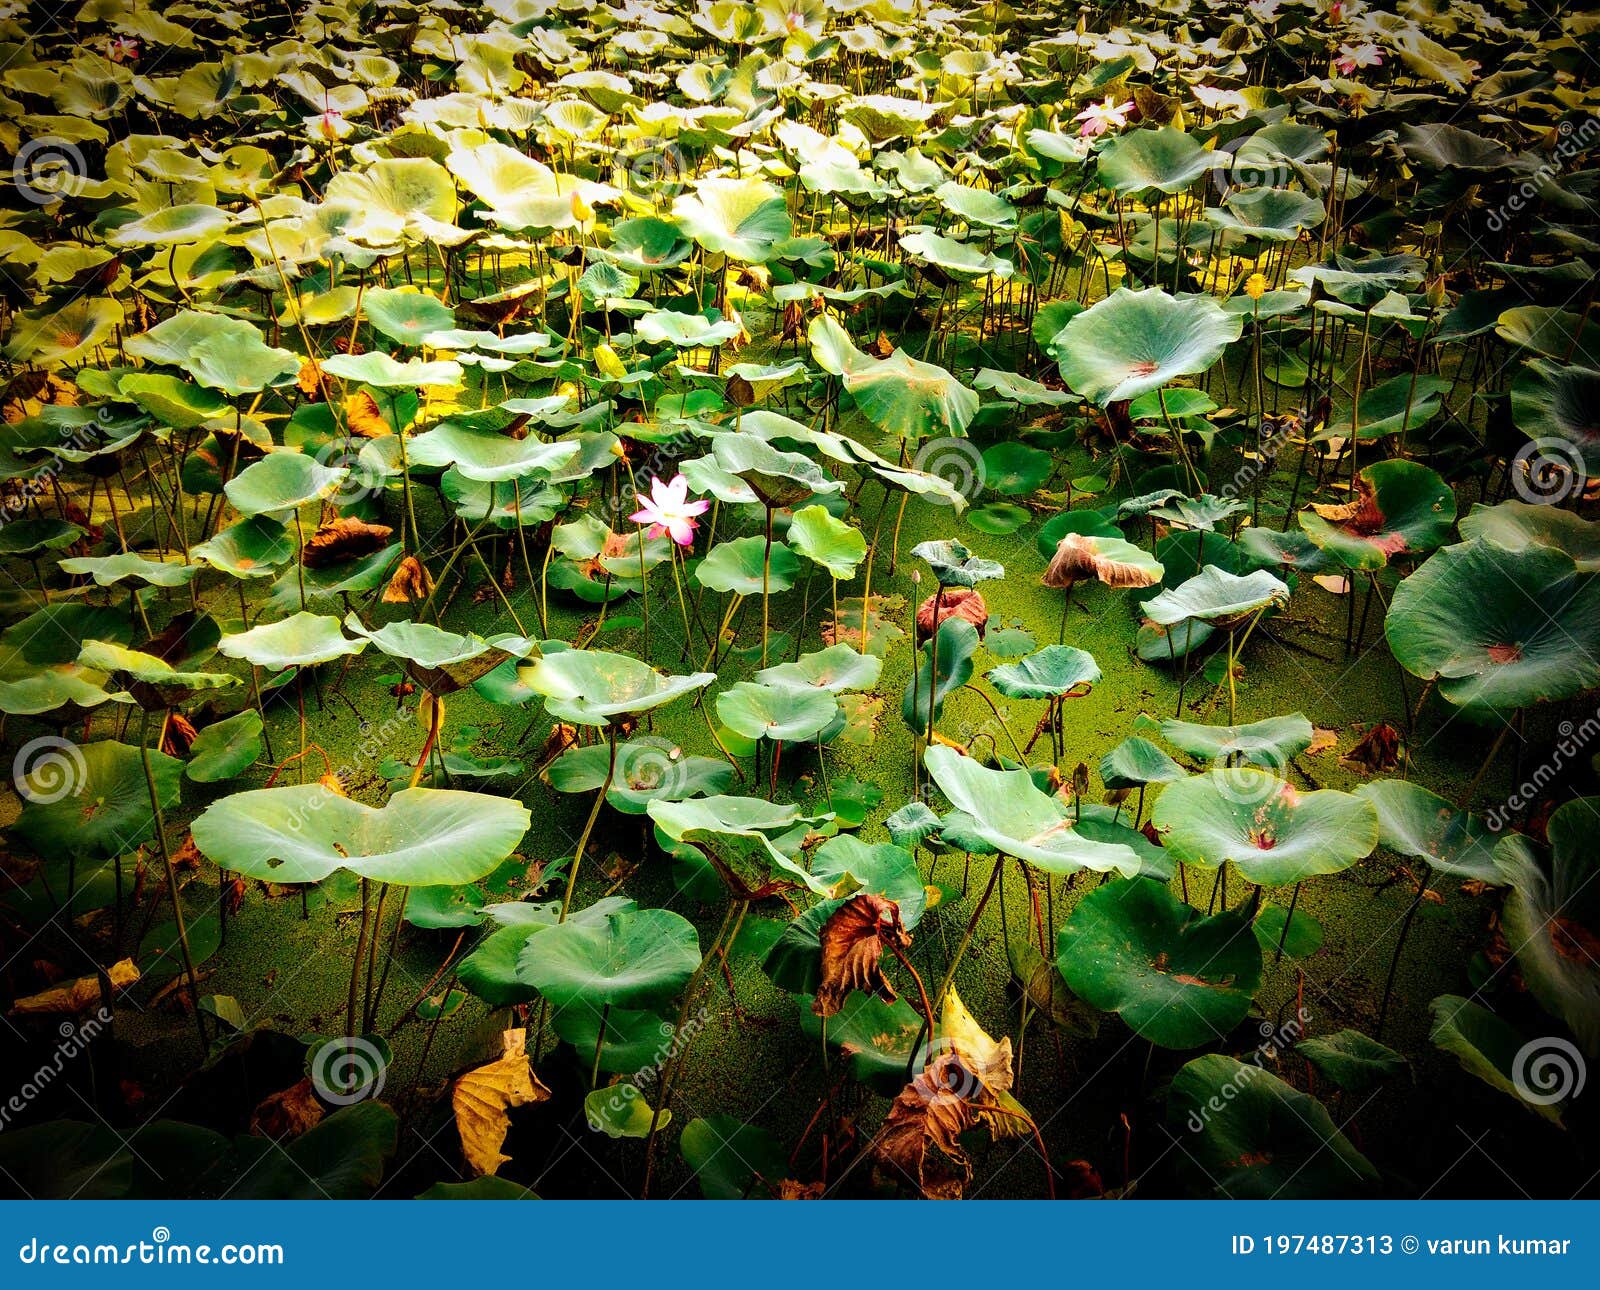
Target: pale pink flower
x=669, y=510
x=1352, y=57
x=124, y=49
x=1097, y=118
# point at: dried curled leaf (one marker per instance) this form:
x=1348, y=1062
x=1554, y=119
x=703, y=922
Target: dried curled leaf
x=363, y=417
x=287, y=1113
x=484, y=1098
x=1079, y=556
x=76, y=996
x=345, y=538
x=955, y=602
x=411, y=582
x=853, y=940
x=1377, y=750
x=918, y=1144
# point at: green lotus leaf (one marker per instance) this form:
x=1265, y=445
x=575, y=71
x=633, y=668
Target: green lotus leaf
x=1400, y=508
x=1014, y=388
x=1438, y=146
x=1005, y=811
x=421, y=837
x=108, y=570
x=1271, y=742
x=1217, y=597
x=777, y=478
x=1136, y=341
x=592, y=686
x=621, y=1111
x=1085, y=522
x=879, y=1038
x=1412, y=821
x=522, y=193
x=1201, y=513
x=1554, y=333
x=331, y=582
x=780, y=711
x=741, y=566
x=443, y=661
x=172, y=226
x=378, y=369
x=301, y=640
x=740, y=218
x=91, y=799
x=647, y=767
x=252, y=548
x=884, y=869
x=154, y=683
x=957, y=641
x=1400, y=404
x=1055, y=671
x=1351, y=1060
x=834, y=669
x=634, y=959
x=507, y=505
x=1165, y=159
x=1271, y=214
x=1517, y=525
x=685, y=331
x=733, y=1160
x=1499, y=630
x=29, y=537
x=1552, y=914
x=955, y=566
x=1491, y=1049
x=239, y=362
x=406, y=316
x=909, y=399
x=1178, y=978
x=1015, y=468
x=171, y=401
x=1273, y=833
x=51, y=336
x=1250, y=1136
x=1551, y=400
x=1136, y=762
x=282, y=481
x=912, y=824
x=749, y=841
x=225, y=748
x=961, y=259
x=836, y=546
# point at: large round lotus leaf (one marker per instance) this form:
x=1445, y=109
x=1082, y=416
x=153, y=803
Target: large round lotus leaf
x=52, y=336
x=1400, y=508
x=31, y=536
x=1450, y=148
x=962, y=259
x=733, y=1160
x=739, y=218
x=154, y=683
x=240, y=362
x=1136, y=762
x=838, y=547
x=1177, y=978
x=1493, y=1050
x=1271, y=214
x=225, y=748
x=421, y=837
x=976, y=205
x=1517, y=525
x=1014, y=388
x=252, y=548
x=1274, y=833
x=741, y=566
x=1006, y=812
x=1217, y=597
x=1290, y=550
x=1353, y=1061
x=301, y=640
x=955, y=566
x=1086, y=522
x=1415, y=822
x=745, y=838
x=172, y=226
x=1401, y=403
x=406, y=316
x=634, y=959
x=522, y=193
x=835, y=669
x=957, y=644
x=1165, y=159
x=522, y=502
x=778, y=478
x=1136, y=341
x=1101, y=823
x=647, y=767
x=1561, y=402
x=909, y=399
x=378, y=369
x=1054, y=670
x=1014, y=468
x=1498, y=629
x=487, y=456
x=1270, y=742
x=591, y=686
x=1247, y=1135
x=685, y=331
x=646, y=245
x=282, y=481
x=776, y=711
x=443, y=661
x=89, y=799
x=880, y=1038
x=883, y=869
x=364, y=573
x=1558, y=334
x=107, y=570
x=633, y=1040
x=1552, y=917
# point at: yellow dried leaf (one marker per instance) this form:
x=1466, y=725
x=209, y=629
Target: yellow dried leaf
x=75, y=996
x=484, y=1098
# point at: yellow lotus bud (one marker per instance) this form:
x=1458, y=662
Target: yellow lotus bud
x=581, y=210
x=610, y=366
x=567, y=390
x=1255, y=286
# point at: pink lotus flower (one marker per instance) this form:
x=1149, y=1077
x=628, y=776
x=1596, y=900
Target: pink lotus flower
x=1097, y=118
x=123, y=49
x=670, y=511
x=1352, y=57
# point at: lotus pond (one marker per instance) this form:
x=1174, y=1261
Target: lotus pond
x=799, y=600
